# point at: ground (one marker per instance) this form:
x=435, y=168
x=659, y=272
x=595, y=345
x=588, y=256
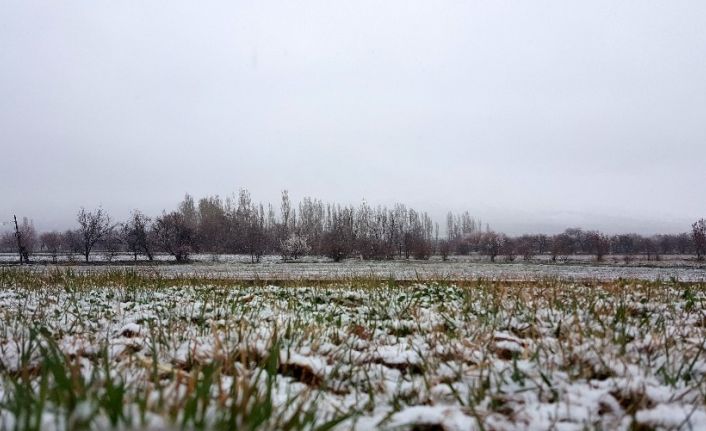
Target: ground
x=576, y=267
x=143, y=351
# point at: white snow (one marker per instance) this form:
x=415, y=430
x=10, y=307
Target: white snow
x=489, y=356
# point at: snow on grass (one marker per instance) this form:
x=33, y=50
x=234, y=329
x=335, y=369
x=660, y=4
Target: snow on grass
x=131, y=352
x=237, y=267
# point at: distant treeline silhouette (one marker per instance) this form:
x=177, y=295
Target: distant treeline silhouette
x=240, y=226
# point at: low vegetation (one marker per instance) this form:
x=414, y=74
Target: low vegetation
x=127, y=350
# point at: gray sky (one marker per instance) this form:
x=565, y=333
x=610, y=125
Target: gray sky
x=533, y=115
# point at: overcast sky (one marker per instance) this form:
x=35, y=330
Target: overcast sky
x=532, y=115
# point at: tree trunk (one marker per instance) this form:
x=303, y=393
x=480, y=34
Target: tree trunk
x=18, y=236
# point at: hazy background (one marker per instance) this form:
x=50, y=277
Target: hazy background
x=534, y=115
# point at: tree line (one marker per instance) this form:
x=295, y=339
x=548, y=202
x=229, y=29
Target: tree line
x=238, y=225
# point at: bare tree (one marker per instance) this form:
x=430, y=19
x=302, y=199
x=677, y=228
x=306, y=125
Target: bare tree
x=93, y=226
x=526, y=245
x=212, y=225
x=294, y=246
x=491, y=244
x=51, y=242
x=649, y=247
x=111, y=244
x=8, y=242
x=562, y=246
x=175, y=235
x=187, y=208
x=255, y=233
x=311, y=222
x=71, y=242
x=444, y=249
x=340, y=234
x=136, y=236
x=698, y=233
x=543, y=243
x=684, y=243
x=286, y=210
x=26, y=238
x=418, y=237
x=508, y=248
x=598, y=244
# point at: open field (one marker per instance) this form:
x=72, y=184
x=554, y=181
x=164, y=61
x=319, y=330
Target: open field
x=135, y=350
x=458, y=268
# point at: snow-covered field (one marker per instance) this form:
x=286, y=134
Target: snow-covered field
x=132, y=351
x=238, y=267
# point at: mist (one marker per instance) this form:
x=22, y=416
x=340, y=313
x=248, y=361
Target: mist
x=532, y=116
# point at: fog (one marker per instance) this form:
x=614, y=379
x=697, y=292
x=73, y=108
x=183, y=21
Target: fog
x=534, y=116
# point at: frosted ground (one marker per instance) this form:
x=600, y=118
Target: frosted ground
x=239, y=267
x=128, y=350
